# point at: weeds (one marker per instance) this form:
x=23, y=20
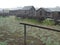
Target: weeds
x=11, y=30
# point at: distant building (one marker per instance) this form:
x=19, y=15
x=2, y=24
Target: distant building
x=53, y=13
x=26, y=11
x=4, y=12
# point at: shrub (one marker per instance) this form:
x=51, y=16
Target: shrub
x=48, y=22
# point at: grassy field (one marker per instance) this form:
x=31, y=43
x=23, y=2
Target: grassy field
x=12, y=33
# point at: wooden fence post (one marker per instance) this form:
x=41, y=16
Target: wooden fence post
x=24, y=34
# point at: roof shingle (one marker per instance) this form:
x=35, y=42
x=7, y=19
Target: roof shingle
x=52, y=9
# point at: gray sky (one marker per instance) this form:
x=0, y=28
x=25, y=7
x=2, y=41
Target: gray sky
x=35, y=3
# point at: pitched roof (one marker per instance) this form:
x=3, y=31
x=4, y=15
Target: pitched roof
x=22, y=8
x=52, y=9
x=27, y=7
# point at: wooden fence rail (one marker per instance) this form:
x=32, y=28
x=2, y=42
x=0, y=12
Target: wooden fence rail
x=25, y=24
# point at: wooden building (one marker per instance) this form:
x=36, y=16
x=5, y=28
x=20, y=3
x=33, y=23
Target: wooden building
x=26, y=11
x=53, y=13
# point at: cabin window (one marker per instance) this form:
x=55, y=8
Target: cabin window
x=59, y=13
x=40, y=12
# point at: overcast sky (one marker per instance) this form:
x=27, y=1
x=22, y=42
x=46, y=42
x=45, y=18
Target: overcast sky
x=35, y=3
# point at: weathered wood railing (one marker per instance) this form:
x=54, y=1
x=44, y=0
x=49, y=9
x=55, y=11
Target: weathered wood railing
x=25, y=24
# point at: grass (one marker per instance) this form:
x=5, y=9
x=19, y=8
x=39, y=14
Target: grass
x=12, y=33
x=48, y=22
x=3, y=43
x=33, y=21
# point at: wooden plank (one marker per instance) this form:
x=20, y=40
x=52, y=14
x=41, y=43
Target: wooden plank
x=41, y=27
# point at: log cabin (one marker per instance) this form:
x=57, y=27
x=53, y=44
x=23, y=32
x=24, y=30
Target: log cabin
x=53, y=13
x=25, y=12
